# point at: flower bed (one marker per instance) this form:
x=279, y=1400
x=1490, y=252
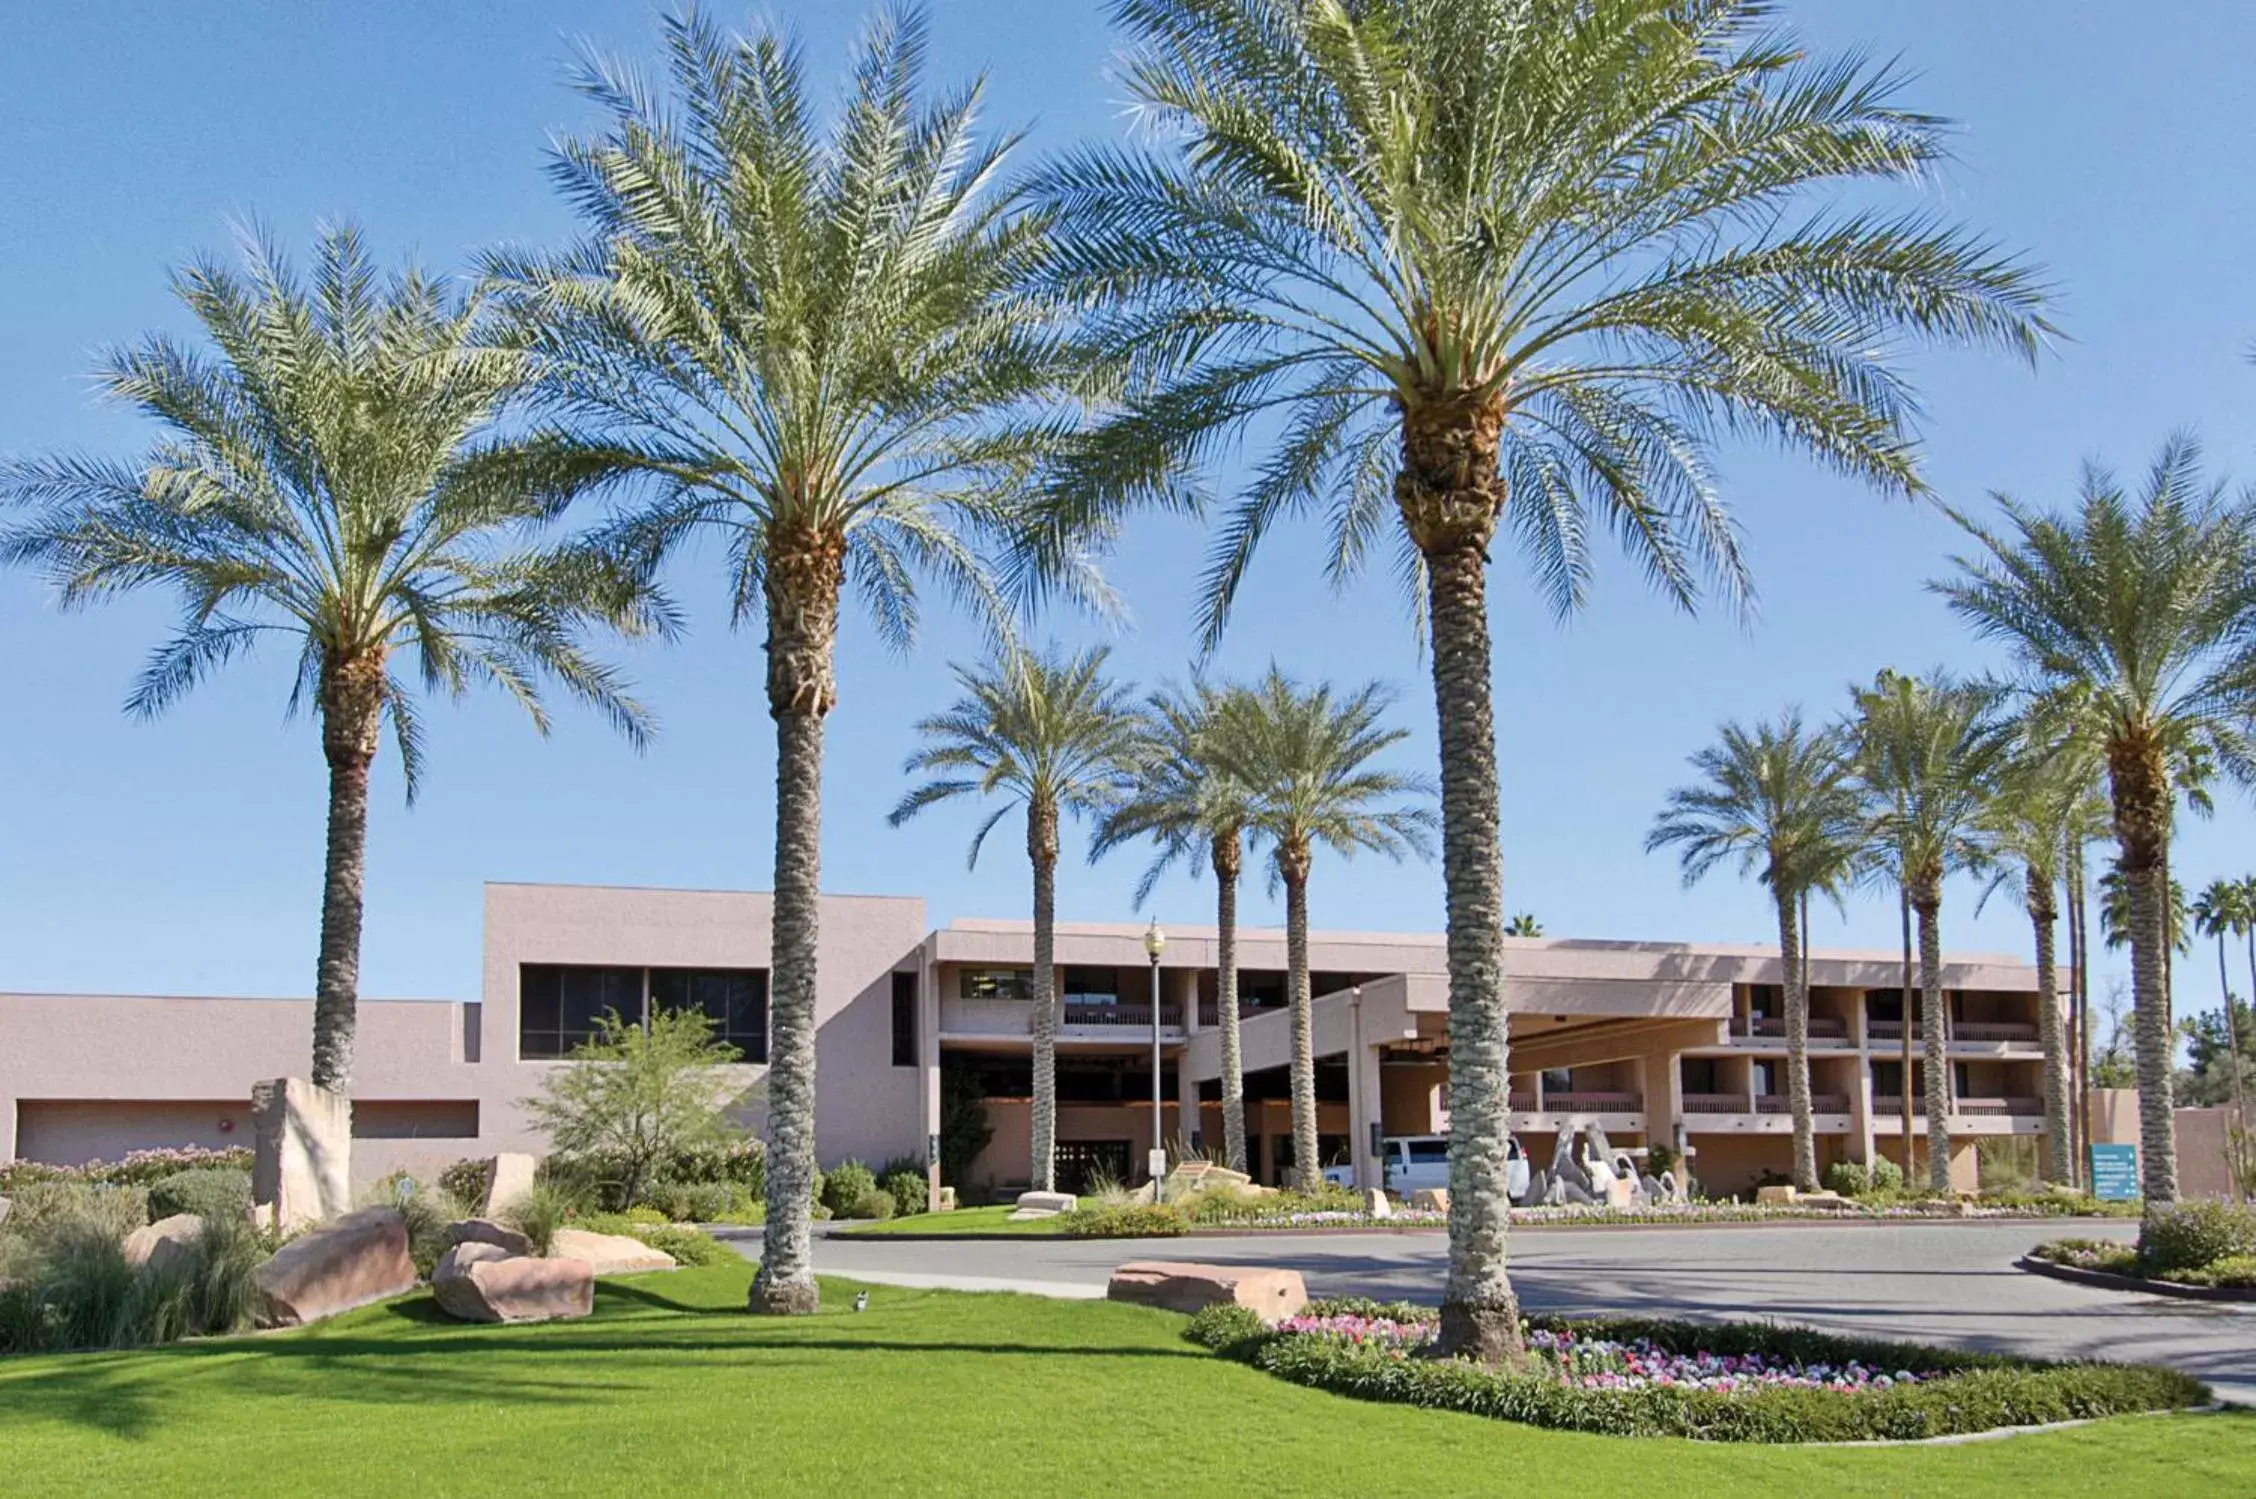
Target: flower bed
x=1725, y=1382
x=140, y=1168
x=1254, y=1215
x=2204, y=1246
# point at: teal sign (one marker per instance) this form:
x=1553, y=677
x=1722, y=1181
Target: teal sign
x=2114, y=1172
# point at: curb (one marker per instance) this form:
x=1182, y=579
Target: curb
x=2107, y=1280
x=1335, y=1231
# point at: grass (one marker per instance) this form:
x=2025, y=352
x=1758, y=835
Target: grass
x=994, y=1220
x=671, y=1388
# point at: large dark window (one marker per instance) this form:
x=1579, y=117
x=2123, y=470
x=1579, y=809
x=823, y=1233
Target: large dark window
x=734, y=999
x=904, y=1020
x=996, y=983
x=1092, y=986
x=560, y=1003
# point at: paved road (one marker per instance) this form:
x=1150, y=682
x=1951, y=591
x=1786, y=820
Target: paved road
x=1952, y=1283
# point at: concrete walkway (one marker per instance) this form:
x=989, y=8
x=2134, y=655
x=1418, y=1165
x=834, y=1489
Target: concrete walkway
x=1949, y=1283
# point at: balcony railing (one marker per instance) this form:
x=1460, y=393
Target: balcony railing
x=1820, y=1103
x=1122, y=1014
x=1821, y=1027
x=1522, y=1103
x=1890, y=1105
x=1210, y=1011
x=1592, y=1103
x=1715, y=1103
x=1964, y=1030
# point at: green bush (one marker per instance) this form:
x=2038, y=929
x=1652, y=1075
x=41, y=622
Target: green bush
x=910, y=1190
x=845, y=1184
x=1885, y=1175
x=875, y=1203
x=1847, y=1178
x=1226, y=1326
x=208, y=1192
x=2191, y=1235
x=426, y=1211
x=77, y=1291
x=1979, y=1393
x=684, y=1244
x=1145, y=1221
x=2234, y=1271
x=140, y=1168
x=43, y=1210
x=539, y=1213
x=465, y=1184
x=2090, y=1254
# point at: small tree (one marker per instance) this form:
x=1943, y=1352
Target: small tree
x=636, y=1095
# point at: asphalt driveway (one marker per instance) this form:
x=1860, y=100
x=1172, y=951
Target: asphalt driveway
x=1939, y=1282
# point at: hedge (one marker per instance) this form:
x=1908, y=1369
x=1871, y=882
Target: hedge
x=208, y=1192
x=1980, y=1392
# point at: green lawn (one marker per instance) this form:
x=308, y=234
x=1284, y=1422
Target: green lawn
x=671, y=1389
x=994, y=1220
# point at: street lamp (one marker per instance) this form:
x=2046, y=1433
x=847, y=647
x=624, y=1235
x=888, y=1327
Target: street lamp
x=1155, y=943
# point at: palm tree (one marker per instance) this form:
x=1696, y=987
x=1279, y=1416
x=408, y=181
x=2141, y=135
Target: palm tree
x=1928, y=752
x=1054, y=735
x=1306, y=757
x=337, y=471
x=1523, y=925
x=814, y=345
x=2042, y=803
x=1187, y=800
x=1493, y=263
x=1778, y=799
x=2223, y=908
x=2141, y=613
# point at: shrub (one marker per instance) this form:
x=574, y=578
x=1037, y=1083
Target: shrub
x=1661, y=1158
x=1226, y=1326
x=845, y=1184
x=426, y=1212
x=539, y=1213
x=910, y=1190
x=1886, y=1175
x=1142, y=1221
x=2090, y=1254
x=465, y=1184
x=685, y=1244
x=43, y=1210
x=1104, y=1190
x=208, y=1192
x=79, y=1292
x=2234, y=1271
x=140, y=1168
x=875, y=1203
x=1847, y=1178
x=639, y=1096
x=2190, y=1235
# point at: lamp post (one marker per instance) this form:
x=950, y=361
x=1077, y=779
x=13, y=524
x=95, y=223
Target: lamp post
x=1155, y=943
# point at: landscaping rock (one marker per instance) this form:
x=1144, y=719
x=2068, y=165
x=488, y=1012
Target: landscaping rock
x=3, y=1210
x=1375, y=1203
x=1774, y=1197
x=1202, y=1176
x=165, y=1242
x=510, y=1178
x=1177, y=1286
x=301, y=1160
x=480, y=1282
x=947, y=1199
x=486, y=1231
x=1430, y=1200
x=609, y=1254
x=360, y=1258
x=1043, y=1205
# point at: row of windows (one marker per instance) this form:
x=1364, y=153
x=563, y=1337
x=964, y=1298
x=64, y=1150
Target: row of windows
x=562, y=1005
x=1263, y=987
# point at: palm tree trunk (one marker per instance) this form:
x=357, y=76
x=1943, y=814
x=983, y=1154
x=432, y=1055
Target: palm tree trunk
x=2139, y=780
x=1903, y=1092
x=2079, y=961
x=1797, y=1042
x=1450, y=497
x=1226, y=867
x=1308, y=1167
x=352, y=698
x=1928, y=903
x=2058, y=1149
x=803, y=580
x=1042, y=849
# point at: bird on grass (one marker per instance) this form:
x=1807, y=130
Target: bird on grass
x=861, y=1302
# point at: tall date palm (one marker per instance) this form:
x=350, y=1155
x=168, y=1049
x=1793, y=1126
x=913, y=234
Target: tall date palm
x=2141, y=611
x=1187, y=800
x=1305, y=755
x=1488, y=264
x=336, y=470
x=814, y=343
x=1779, y=800
x=1056, y=736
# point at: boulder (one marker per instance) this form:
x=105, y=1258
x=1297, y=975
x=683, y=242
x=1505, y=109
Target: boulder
x=510, y=1177
x=486, y=1231
x=301, y=1156
x=609, y=1254
x=947, y=1199
x=1775, y=1197
x=360, y=1258
x=1203, y=1176
x=1177, y=1286
x=3, y=1210
x=1375, y=1203
x=1430, y=1200
x=480, y=1282
x=1044, y=1205
x=164, y=1243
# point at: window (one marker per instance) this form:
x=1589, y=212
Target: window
x=997, y=983
x=1092, y=986
x=904, y=1020
x=560, y=1003
x=1699, y=1075
x=1262, y=988
x=734, y=999
x=1558, y=1080
x=1962, y=1079
x=1429, y=1152
x=1887, y=1079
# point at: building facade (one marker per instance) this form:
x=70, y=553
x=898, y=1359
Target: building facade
x=1656, y=1041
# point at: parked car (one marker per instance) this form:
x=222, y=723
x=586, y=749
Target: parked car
x=1410, y=1163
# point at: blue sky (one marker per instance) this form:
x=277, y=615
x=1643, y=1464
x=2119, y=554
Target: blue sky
x=184, y=855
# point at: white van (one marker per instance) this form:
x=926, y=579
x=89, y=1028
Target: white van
x=1411, y=1163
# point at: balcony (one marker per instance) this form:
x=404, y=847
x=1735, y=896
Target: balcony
x=1820, y=1103
x=1138, y=1016
x=1715, y=1103
x=1773, y=1027
x=1592, y=1103
x=1981, y=1032
x=1890, y=1106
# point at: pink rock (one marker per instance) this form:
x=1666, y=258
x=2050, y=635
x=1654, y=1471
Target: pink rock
x=478, y=1282
x=1176, y=1286
x=359, y=1258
